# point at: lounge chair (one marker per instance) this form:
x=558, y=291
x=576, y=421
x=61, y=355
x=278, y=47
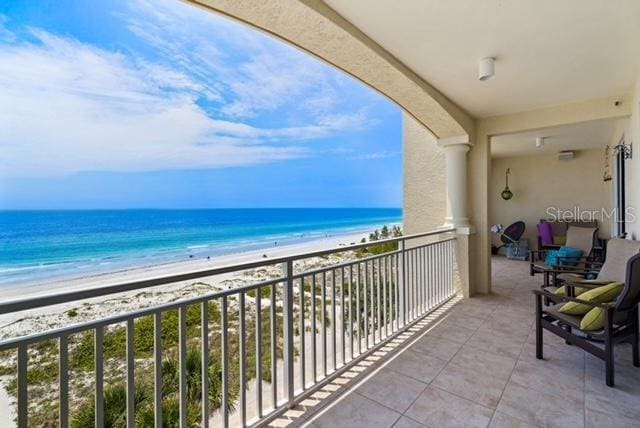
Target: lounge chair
x=581, y=238
x=619, y=251
x=620, y=321
x=558, y=233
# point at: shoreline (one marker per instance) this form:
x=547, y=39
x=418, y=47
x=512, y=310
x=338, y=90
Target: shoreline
x=101, y=279
x=54, y=317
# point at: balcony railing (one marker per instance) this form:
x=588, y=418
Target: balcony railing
x=252, y=351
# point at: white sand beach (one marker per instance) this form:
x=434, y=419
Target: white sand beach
x=20, y=324
x=45, y=319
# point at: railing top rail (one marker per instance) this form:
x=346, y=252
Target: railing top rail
x=70, y=296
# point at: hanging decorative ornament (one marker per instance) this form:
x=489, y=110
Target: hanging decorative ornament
x=507, y=193
x=607, y=164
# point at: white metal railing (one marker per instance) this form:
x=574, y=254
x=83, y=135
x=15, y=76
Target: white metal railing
x=285, y=336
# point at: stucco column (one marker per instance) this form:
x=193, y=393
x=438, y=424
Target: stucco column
x=457, y=215
x=455, y=151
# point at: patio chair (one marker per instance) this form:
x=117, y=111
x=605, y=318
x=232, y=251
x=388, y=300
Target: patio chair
x=620, y=321
x=619, y=251
x=557, y=236
x=581, y=238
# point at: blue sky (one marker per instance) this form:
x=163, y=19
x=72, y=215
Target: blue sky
x=156, y=104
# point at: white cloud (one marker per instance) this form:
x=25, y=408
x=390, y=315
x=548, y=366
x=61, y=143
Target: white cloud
x=375, y=155
x=67, y=107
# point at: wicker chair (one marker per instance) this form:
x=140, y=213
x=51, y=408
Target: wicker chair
x=620, y=321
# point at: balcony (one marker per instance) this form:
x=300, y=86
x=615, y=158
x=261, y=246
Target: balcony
x=473, y=364
x=256, y=351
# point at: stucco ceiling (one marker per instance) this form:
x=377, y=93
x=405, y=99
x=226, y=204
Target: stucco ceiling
x=548, y=52
x=581, y=136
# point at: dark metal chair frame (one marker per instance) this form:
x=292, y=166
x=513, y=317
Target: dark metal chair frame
x=583, y=264
x=620, y=322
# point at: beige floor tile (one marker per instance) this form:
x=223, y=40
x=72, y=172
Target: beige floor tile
x=464, y=320
x=623, y=399
x=355, y=411
x=418, y=366
x=596, y=419
x=392, y=389
x=437, y=408
x=565, y=379
x=405, y=422
x=448, y=330
x=487, y=341
x=500, y=420
x=486, y=362
x=435, y=346
x=540, y=409
x=471, y=384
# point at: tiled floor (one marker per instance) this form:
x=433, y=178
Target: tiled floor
x=477, y=367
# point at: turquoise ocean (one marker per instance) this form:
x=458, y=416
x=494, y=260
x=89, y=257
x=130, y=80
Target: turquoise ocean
x=40, y=246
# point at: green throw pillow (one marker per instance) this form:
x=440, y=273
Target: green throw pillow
x=604, y=294
x=559, y=240
x=593, y=320
x=562, y=291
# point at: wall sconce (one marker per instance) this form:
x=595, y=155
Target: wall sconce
x=507, y=193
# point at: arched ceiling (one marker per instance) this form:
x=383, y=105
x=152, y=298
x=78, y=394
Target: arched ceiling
x=315, y=28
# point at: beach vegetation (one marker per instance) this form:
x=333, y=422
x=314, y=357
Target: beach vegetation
x=377, y=235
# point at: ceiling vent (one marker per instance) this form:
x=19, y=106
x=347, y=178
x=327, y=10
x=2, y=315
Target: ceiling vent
x=566, y=155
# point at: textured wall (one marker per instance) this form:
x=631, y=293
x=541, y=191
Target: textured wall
x=424, y=179
x=538, y=182
x=480, y=164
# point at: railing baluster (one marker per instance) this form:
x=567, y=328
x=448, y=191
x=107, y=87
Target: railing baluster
x=204, y=339
x=432, y=290
x=157, y=363
x=259, y=351
x=182, y=359
x=385, y=291
x=225, y=361
x=302, y=337
x=314, y=344
x=450, y=267
x=243, y=358
x=372, y=309
x=131, y=391
x=63, y=381
x=378, y=298
x=274, y=355
x=289, y=348
x=323, y=318
x=402, y=279
x=342, y=323
x=99, y=376
x=358, y=316
x=414, y=274
x=351, y=311
x=423, y=288
x=333, y=318
x=393, y=275
x=23, y=395
x=365, y=294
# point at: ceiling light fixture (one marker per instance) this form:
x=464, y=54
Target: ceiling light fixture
x=486, y=68
x=539, y=142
